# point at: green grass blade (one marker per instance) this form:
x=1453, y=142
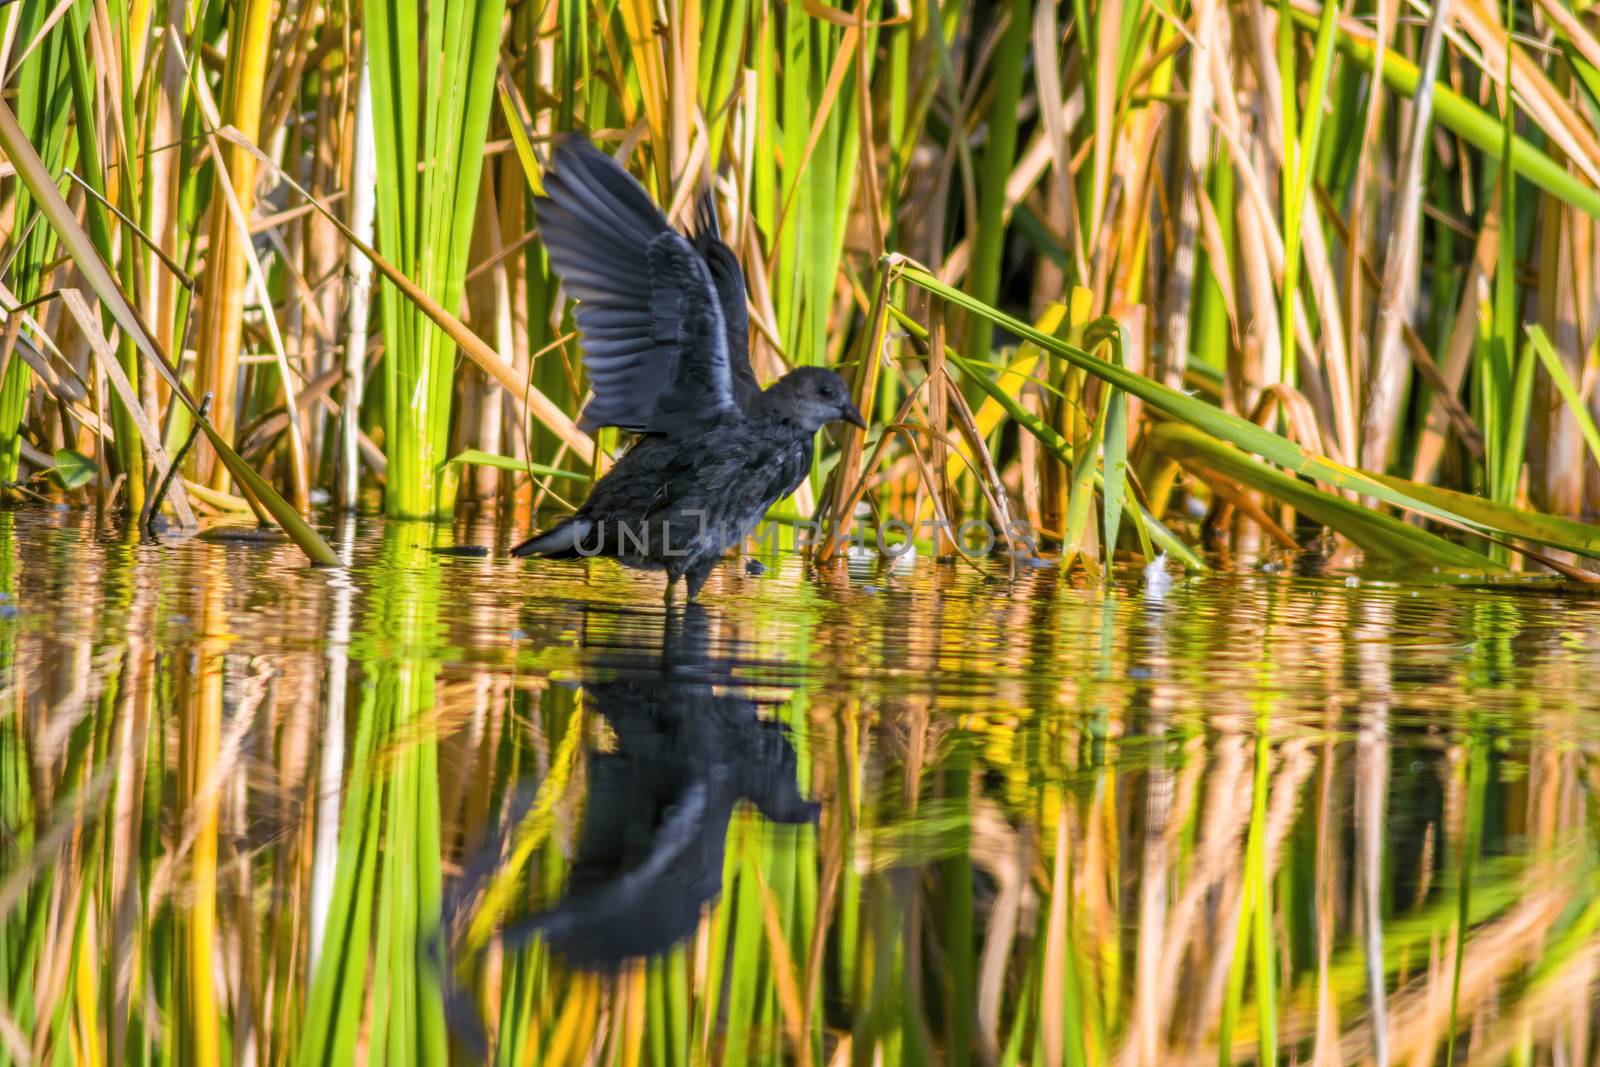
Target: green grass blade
x=1552, y=530
x=1557, y=370
x=1114, y=454
x=1477, y=771
x=476, y=457
x=1373, y=530
x=999, y=157
x=1300, y=155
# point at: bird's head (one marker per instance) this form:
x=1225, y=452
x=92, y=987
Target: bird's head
x=815, y=397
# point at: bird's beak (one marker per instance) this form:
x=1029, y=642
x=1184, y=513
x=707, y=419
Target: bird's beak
x=853, y=416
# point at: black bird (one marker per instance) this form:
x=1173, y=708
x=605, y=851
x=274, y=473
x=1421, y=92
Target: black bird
x=666, y=343
x=650, y=853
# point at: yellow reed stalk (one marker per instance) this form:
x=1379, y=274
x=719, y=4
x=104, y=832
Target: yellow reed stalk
x=203, y=736
x=639, y=17
x=222, y=304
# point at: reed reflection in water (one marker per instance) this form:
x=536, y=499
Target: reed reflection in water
x=258, y=813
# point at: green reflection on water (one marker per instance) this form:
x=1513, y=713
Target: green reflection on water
x=251, y=811
x=388, y=881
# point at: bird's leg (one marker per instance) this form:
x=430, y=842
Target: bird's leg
x=669, y=632
x=671, y=582
x=697, y=578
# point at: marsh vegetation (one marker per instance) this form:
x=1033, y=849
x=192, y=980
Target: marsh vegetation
x=1295, y=303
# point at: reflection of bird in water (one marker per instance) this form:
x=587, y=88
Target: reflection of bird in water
x=650, y=854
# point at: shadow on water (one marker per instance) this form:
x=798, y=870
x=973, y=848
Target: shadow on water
x=428, y=808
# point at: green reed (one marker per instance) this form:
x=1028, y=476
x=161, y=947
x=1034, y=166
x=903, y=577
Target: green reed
x=433, y=80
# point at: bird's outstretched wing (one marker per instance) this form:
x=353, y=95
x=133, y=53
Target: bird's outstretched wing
x=728, y=277
x=654, y=339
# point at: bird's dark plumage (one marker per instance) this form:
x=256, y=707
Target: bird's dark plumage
x=665, y=335
x=650, y=854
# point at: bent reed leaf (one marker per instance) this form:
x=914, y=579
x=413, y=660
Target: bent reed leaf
x=1222, y=425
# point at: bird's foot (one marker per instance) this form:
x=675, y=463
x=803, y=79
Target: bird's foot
x=697, y=579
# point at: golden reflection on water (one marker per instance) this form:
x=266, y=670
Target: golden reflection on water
x=258, y=813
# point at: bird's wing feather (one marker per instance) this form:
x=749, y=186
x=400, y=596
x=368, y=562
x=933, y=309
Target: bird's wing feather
x=654, y=340
x=728, y=277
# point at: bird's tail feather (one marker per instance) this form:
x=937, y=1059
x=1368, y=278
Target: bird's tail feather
x=558, y=542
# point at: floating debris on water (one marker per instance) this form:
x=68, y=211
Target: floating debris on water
x=463, y=551
x=245, y=535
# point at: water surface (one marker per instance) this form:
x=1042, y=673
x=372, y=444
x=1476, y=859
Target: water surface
x=432, y=808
